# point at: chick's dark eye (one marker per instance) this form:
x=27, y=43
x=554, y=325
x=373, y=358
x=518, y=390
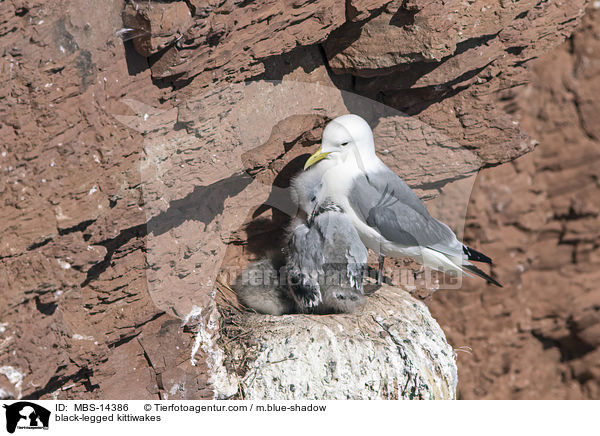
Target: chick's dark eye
x=344, y=143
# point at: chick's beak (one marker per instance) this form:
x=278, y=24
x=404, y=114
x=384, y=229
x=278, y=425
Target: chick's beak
x=315, y=157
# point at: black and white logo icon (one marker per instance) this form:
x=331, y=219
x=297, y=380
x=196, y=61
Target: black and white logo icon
x=26, y=415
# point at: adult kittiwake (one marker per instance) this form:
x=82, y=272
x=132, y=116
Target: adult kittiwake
x=389, y=218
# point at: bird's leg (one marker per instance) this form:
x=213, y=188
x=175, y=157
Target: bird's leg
x=313, y=214
x=380, y=270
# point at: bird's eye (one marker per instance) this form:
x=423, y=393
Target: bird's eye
x=344, y=143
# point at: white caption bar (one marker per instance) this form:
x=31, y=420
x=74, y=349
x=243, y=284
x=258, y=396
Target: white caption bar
x=299, y=417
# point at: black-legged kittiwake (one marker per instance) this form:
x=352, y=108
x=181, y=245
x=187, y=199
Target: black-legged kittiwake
x=390, y=219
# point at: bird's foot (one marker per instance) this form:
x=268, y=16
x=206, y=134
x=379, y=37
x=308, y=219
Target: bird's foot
x=307, y=297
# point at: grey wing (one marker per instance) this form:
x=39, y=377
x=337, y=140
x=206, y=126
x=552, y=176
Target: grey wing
x=387, y=180
x=342, y=247
x=387, y=204
x=304, y=260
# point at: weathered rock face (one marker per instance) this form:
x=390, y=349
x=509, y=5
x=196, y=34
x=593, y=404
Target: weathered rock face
x=230, y=39
x=539, y=336
x=133, y=172
x=155, y=26
x=430, y=32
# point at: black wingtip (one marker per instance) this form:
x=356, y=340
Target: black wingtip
x=482, y=274
x=475, y=255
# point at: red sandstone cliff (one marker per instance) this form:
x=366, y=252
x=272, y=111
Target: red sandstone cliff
x=110, y=146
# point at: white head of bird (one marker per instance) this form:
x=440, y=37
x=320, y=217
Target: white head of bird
x=345, y=138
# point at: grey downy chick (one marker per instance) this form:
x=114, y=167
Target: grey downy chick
x=324, y=263
x=263, y=288
x=325, y=258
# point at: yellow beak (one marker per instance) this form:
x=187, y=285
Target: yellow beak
x=315, y=157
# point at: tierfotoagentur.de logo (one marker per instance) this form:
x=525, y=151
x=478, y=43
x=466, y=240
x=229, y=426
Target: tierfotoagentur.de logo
x=26, y=415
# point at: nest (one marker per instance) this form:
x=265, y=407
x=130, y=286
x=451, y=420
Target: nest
x=391, y=348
